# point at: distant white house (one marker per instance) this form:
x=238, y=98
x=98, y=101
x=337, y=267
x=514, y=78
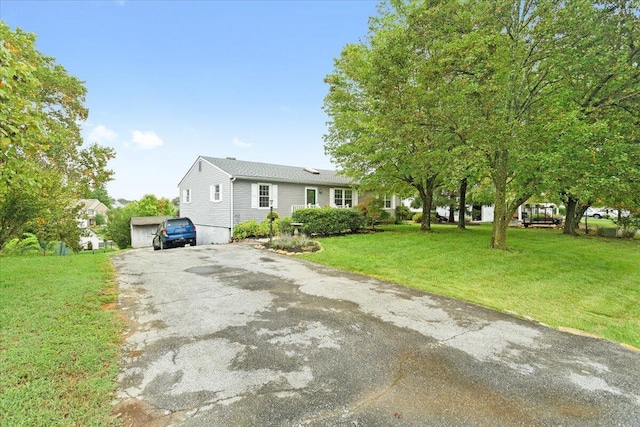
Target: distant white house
x=89, y=239
x=476, y=213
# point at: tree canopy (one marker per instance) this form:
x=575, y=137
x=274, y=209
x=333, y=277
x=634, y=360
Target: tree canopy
x=118, y=227
x=44, y=166
x=537, y=95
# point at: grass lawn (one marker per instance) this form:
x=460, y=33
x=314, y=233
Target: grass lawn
x=59, y=342
x=587, y=283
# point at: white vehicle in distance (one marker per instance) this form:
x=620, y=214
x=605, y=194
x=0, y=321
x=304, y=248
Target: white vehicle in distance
x=598, y=213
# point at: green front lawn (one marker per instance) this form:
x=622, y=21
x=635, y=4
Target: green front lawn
x=586, y=283
x=60, y=340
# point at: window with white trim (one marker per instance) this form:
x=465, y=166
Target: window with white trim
x=343, y=197
x=263, y=196
x=214, y=193
x=186, y=195
x=388, y=202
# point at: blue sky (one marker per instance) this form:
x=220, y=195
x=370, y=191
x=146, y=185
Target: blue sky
x=171, y=80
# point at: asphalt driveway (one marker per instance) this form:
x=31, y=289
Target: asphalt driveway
x=230, y=335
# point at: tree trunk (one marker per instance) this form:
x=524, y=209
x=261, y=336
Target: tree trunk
x=570, y=225
x=500, y=222
x=425, y=223
x=452, y=212
x=462, y=209
x=580, y=211
x=426, y=194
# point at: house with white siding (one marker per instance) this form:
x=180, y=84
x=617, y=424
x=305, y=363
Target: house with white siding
x=218, y=193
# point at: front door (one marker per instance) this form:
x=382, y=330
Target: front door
x=311, y=196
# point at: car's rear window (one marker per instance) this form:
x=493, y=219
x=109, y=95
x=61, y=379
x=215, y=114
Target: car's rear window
x=180, y=222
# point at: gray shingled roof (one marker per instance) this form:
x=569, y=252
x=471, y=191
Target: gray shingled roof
x=244, y=169
x=148, y=220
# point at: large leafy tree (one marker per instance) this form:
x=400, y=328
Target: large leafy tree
x=387, y=128
x=41, y=149
x=493, y=83
x=505, y=58
x=599, y=160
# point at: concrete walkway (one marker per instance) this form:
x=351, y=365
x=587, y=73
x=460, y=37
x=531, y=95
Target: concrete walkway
x=234, y=336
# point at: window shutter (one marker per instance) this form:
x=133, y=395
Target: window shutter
x=274, y=196
x=332, y=197
x=211, y=193
x=254, y=196
x=354, y=195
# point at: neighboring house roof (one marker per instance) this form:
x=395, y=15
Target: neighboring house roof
x=94, y=204
x=148, y=220
x=252, y=170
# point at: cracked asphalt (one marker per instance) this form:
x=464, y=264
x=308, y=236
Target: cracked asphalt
x=231, y=335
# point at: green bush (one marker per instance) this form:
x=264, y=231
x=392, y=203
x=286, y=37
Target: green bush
x=100, y=219
x=385, y=217
x=284, y=226
x=417, y=217
x=629, y=225
x=28, y=245
x=119, y=228
x=402, y=213
x=328, y=221
x=246, y=229
x=253, y=229
x=371, y=210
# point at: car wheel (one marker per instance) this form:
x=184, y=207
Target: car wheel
x=193, y=242
x=597, y=216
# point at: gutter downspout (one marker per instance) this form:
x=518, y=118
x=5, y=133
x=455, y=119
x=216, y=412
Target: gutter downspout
x=231, y=181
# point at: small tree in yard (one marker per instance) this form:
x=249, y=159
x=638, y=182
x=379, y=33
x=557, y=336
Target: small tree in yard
x=371, y=209
x=118, y=227
x=100, y=219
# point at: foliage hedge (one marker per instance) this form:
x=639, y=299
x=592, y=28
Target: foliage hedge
x=30, y=245
x=326, y=221
x=402, y=213
x=417, y=217
x=253, y=229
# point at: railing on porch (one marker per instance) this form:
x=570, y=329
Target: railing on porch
x=309, y=205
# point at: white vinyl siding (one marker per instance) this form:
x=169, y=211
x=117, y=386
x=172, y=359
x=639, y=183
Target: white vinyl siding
x=213, y=220
x=263, y=196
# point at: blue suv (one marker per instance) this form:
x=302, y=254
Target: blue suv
x=174, y=232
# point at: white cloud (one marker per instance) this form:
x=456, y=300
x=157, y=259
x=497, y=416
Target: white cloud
x=240, y=143
x=102, y=134
x=146, y=140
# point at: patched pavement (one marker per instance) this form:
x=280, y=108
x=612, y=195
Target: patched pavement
x=230, y=335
